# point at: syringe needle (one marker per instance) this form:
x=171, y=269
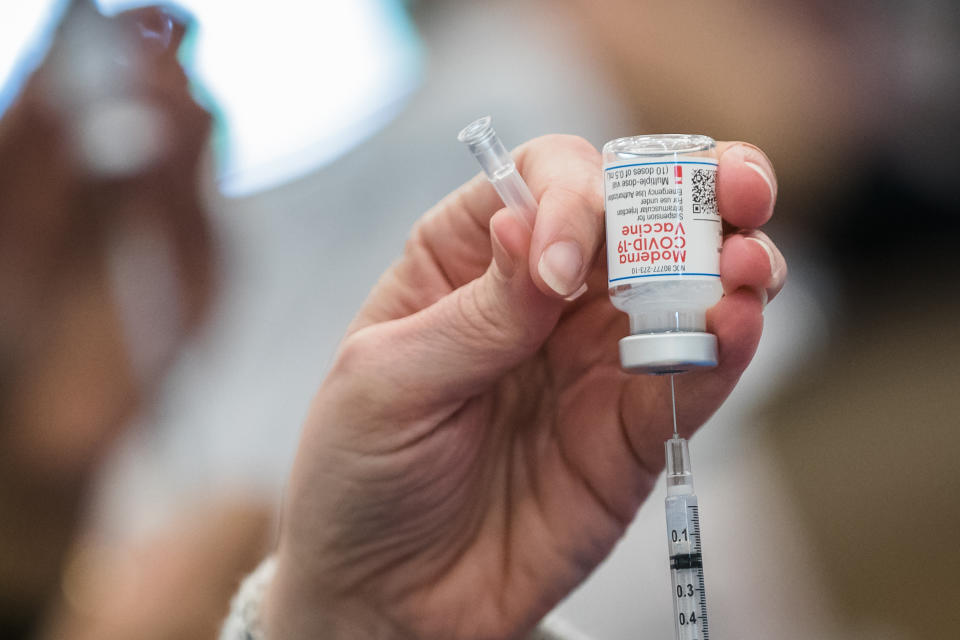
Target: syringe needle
x=673, y=403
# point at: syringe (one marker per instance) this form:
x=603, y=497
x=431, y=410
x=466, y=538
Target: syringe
x=683, y=540
x=683, y=518
x=501, y=171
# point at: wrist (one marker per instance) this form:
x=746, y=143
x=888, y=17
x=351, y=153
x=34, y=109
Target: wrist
x=291, y=609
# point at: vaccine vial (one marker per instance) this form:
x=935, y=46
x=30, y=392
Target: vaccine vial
x=664, y=236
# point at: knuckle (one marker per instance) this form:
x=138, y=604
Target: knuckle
x=485, y=323
x=360, y=376
x=416, y=239
x=482, y=324
x=570, y=144
x=356, y=352
x=581, y=198
x=559, y=143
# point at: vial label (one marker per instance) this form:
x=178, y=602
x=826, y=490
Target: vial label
x=662, y=220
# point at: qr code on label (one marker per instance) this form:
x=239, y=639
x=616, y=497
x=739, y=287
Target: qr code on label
x=704, y=192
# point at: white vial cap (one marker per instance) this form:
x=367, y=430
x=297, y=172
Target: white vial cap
x=673, y=352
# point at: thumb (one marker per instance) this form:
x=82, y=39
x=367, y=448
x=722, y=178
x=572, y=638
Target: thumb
x=465, y=341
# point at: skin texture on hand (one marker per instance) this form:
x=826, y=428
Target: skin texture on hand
x=476, y=450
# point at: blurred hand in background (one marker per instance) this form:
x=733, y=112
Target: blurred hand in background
x=105, y=267
x=172, y=584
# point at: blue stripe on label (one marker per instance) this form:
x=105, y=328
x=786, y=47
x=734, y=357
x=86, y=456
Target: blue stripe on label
x=656, y=275
x=647, y=164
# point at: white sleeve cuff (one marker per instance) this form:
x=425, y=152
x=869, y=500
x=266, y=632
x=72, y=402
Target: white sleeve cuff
x=243, y=622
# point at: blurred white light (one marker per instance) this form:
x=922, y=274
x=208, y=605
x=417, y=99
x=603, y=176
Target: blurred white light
x=293, y=84
x=122, y=137
x=24, y=31
x=296, y=84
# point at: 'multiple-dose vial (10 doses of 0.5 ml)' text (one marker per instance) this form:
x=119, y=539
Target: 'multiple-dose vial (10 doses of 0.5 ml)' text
x=664, y=236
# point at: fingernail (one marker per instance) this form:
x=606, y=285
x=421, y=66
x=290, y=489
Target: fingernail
x=756, y=161
x=761, y=294
x=764, y=298
x=777, y=264
x=576, y=294
x=501, y=259
x=766, y=178
x=559, y=267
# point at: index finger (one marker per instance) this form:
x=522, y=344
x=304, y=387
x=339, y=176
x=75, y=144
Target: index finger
x=451, y=244
x=565, y=176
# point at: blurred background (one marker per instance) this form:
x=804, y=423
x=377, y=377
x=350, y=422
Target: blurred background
x=828, y=481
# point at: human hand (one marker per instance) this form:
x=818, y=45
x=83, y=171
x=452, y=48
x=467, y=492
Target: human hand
x=476, y=450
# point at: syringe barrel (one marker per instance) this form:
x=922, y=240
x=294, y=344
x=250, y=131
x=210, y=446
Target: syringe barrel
x=688, y=590
x=683, y=540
